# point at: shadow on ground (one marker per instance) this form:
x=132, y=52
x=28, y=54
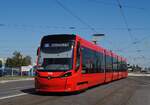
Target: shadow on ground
x=33, y=92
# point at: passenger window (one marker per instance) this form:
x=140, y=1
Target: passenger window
x=84, y=63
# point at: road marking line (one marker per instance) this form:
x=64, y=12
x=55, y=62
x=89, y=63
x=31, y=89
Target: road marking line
x=11, y=96
x=5, y=81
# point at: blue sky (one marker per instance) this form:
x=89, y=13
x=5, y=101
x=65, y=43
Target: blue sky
x=24, y=22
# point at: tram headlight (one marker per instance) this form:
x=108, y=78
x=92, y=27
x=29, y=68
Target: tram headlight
x=67, y=74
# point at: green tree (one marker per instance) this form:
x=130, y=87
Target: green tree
x=26, y=61
x=18, y=60
x=9, y=62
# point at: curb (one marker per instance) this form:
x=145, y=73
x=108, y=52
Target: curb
x=133, y=74
x=6, y=81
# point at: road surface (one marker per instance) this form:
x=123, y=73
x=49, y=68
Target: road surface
x=129, y=91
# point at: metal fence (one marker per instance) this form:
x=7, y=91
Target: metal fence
x=15, y=72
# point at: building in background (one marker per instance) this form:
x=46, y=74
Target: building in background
x=27, y=70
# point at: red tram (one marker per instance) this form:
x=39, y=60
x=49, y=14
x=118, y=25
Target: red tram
x=68, y=63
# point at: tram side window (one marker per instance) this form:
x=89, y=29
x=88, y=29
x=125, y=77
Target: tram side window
x=111, y=64
x=119, y=66
x=85, y=63
x=108, y=64
x=96, y=62
x=115, y=64
x=102, y=62
x=87, y=60
x=124, y=66
x=91, y=61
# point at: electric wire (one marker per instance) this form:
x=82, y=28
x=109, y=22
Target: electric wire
x=126, y=23
x=75, y=16
x=124, y=18
x=114, y=4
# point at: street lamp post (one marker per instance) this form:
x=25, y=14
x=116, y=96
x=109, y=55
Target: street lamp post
x=96, y=37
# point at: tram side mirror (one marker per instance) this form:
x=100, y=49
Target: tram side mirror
x=38, y=50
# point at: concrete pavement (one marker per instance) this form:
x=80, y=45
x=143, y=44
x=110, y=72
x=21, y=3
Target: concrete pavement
x=133, y=90
x=24, y=79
